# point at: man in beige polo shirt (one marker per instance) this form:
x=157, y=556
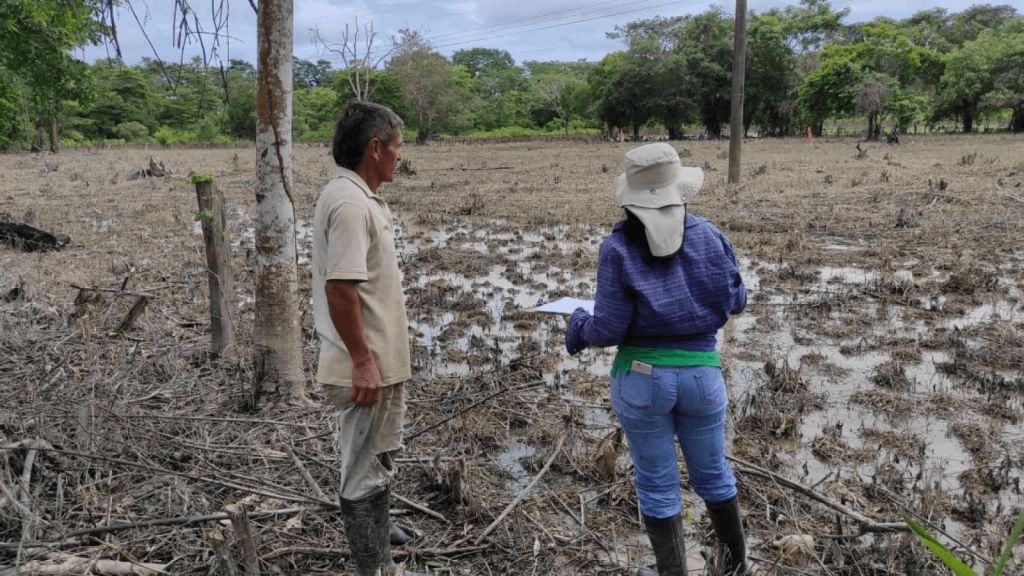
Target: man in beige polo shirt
x=359, y=313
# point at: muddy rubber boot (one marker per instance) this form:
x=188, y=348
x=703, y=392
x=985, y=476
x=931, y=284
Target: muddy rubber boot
x=725, y=518
x=384, y=517
x=401, y=535
x=366, y=527
x=666, y=535
x=398, y=536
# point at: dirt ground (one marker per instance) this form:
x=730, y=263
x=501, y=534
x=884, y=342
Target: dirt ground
x=877, y=373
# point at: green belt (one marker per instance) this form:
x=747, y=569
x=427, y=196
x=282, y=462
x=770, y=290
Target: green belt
x=662, y=357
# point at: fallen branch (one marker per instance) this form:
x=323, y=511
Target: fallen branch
x=26, y=477
x=419, y=507
x=136, y=292
x=59, y=563
x=73, y=538
x=214, y=419
x=866, y=524
x=305, y=551
x=305, y=473
x=300, y=550
x=522, y=493
x=294, y=497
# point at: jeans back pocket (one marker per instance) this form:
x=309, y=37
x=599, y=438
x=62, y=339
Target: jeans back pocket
x=637, y=390
x=710, y=386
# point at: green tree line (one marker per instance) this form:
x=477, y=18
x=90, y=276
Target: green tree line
x=806, y=67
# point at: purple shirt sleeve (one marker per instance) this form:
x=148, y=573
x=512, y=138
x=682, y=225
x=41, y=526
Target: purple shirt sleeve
x=613, y=309
x=737, y=290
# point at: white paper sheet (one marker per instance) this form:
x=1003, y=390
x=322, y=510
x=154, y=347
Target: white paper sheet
x=566, y=305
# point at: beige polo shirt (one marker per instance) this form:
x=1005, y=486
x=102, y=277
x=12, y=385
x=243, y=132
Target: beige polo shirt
x=353, y=239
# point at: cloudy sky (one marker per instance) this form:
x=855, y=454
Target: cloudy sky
x=528, y=29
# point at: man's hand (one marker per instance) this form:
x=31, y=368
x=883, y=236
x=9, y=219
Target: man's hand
x=366, y=382
x=347, y=316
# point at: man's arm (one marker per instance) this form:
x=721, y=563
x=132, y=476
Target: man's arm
x=347, y=317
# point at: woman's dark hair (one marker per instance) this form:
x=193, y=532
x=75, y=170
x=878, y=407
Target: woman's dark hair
x=359, y=123
x=636, y=234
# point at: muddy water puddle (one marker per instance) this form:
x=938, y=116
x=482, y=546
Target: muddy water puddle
x=520, y=270
x=840, y=436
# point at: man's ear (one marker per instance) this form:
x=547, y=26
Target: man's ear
x=373, y=148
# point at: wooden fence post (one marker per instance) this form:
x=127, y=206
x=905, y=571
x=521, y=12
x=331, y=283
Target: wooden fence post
x=218, y=265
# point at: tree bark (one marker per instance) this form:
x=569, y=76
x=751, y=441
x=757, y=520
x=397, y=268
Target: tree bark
x=1017, y=120
x=54, y=142
x=968, y=118
x=277, y=343
x=873, y=128
x=37, y=142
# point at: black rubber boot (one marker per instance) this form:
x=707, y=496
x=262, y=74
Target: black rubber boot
x=366, y=526
x=401, y=535
x=398, y=536
x=390, y=567
x=725, y=518
x=666, y=536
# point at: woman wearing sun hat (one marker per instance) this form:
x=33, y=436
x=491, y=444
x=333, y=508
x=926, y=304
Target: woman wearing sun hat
x=666, y=282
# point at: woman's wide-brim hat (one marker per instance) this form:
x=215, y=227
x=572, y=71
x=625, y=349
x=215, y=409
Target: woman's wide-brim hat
x=653, y=178
x=656, y=187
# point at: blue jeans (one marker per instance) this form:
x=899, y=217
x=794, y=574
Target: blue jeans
x=683, y=402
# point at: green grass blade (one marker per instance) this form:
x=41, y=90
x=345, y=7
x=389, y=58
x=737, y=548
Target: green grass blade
x=1018, y=529
x=940, y=551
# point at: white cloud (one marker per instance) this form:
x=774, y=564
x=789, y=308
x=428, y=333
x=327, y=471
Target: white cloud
x=466, y=8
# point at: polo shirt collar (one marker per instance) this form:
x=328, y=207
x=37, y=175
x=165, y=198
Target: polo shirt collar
x=352, y=175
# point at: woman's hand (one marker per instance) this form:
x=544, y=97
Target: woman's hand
x=574, y=341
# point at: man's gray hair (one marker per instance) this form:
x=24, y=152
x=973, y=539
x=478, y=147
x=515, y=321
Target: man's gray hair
x=361, y=122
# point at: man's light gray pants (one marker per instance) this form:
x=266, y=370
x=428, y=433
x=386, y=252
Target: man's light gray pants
x=368, y=436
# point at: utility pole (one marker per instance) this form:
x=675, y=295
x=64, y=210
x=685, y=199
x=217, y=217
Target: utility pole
x=739, y=67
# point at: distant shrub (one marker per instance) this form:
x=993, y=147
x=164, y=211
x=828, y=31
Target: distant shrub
x=514, y=131
x=131, y=131
x=168, y=135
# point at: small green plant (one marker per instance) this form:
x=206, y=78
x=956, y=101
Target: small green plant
x=954, y=563
x=203, y=215
x=199, y=177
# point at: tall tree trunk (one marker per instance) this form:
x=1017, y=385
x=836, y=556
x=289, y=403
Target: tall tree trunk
x=277, y=337
x=1017, y=121
x=37, y=142
x=873, y=128
x=968, y=117
x=54, y=141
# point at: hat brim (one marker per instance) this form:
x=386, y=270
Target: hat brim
x=683, y=188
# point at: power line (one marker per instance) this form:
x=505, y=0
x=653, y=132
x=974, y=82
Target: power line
x=590, y=19
x=509, y=28
x=560, y=24
x=561, y=14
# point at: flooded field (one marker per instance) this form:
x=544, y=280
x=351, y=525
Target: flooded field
x=877, y=373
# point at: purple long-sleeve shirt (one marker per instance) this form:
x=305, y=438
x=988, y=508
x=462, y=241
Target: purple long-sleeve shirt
x=678, y=304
